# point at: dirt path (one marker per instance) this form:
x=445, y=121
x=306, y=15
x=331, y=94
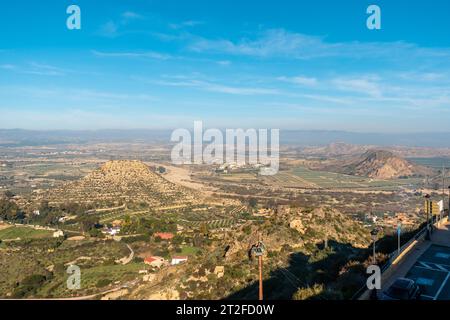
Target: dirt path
x=128, y=259
x=182, y=176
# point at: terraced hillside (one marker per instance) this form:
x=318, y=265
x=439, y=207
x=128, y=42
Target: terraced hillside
x=122, y=182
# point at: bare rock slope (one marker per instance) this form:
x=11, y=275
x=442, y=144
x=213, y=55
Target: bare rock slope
x=380, y=164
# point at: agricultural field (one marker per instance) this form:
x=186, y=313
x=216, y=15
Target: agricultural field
x=23, y=177
x=239, y=177
x=189, y=251
x=435, y=163
x=51, y=257
x=94, y=279
x=301, y=177
x=214, y=224
x=24, y=233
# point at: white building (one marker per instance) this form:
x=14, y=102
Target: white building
x=58, y=234
x=113, y=231
x=179, y=259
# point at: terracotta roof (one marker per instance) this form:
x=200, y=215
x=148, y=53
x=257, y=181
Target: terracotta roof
x=164, y=235
x=149, y=259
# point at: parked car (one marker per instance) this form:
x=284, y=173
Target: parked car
x=402, y=289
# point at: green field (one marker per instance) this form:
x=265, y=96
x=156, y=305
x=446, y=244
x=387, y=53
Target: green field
x=302, y=177
x=24, y=233
x=95, y=259
x=435, y=163
x=188, y=251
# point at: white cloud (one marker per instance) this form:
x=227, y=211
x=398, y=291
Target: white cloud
x=109, y=29
x=130, y=15
x=363, y=86
x=188, y=23
x=224, y=62
x=147, y=54
x=8, y=66
x=219, y=88
x=300, y=80
x=282, y=43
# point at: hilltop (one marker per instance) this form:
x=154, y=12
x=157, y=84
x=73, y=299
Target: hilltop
x=122, y=181
x=377, y=164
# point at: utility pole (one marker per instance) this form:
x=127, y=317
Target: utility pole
x=443, y=193
x=399, y=231
x=258, y=250
x=448, y=212
x=427, y=209
x=260, y=264
x=260, y=267
x=374, y=234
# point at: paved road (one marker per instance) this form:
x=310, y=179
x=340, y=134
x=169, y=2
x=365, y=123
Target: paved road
x=428, y=263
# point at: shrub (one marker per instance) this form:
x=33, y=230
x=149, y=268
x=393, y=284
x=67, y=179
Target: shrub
x=102, y=283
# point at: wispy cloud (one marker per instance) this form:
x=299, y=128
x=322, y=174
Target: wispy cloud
x=55, y=93
x=300, y=80
x=282, y=43
x=112, y=28
x=35, y=68
x=8, y=67
x=364, y=86
x=130, y=15
x=183, y=81
x=184, y=24
x=109, y=29
x=46, y=69
x=220, y=88
x=147, y=54
x=224, y=62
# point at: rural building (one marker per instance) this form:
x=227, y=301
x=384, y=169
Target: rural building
x=58, y=234
x=113, y=231
x=179, y=259
x=155, y=261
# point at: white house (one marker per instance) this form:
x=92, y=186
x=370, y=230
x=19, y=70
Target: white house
x=178, y=259
x=113, y=231
x=58, y=234
x=155, y=261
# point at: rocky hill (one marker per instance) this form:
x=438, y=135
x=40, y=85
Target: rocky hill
x=379, y=164
x=122, y=181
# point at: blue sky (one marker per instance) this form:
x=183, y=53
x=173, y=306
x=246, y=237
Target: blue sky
x=261, y=64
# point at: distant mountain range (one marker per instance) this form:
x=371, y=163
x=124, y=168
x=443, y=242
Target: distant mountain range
x=20, y=137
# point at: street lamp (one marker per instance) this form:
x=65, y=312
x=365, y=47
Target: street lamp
x=448, y=212
x=399, y=231
x=427, y=209
x=374, y=235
